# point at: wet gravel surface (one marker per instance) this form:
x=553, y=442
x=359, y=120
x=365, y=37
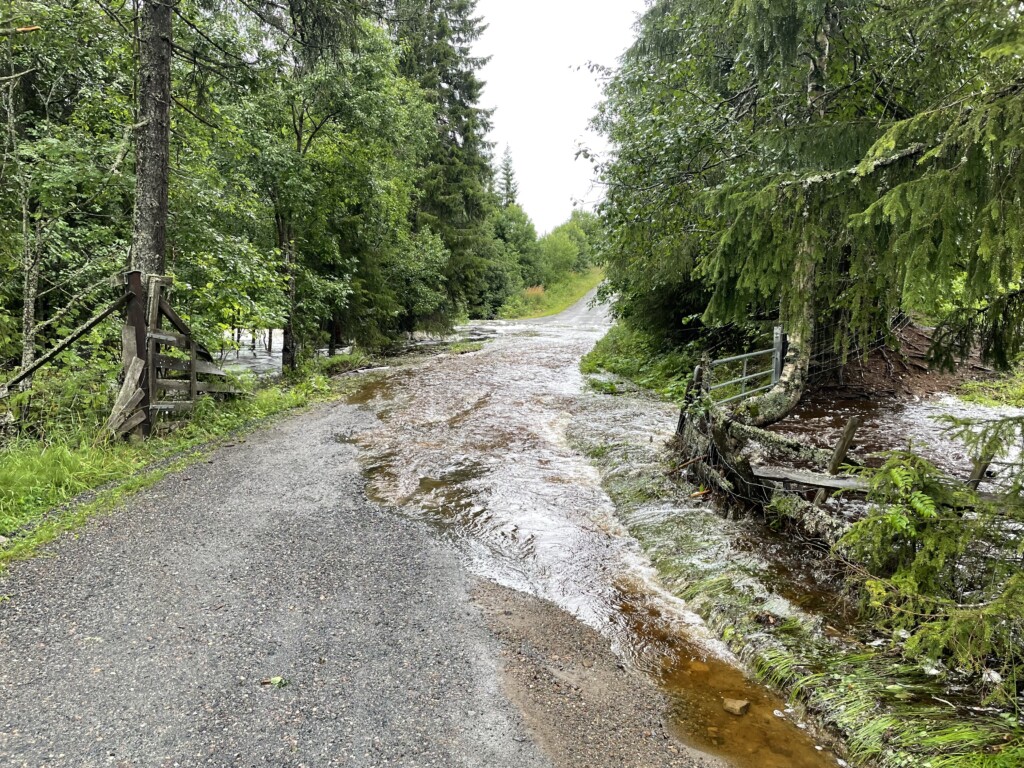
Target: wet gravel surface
x=584, y=706
x=155, y=637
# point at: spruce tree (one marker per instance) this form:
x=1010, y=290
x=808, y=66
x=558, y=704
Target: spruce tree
x=508, y=187
x=455, y=189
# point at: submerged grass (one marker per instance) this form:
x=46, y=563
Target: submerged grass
x=888, y=713
x=543, y=301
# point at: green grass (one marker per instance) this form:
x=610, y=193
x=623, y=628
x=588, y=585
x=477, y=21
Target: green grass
x=353, y=361
x=636, y=356
x=543, y=301
x=1006, y=390
x=37, y=477
x=465, y=347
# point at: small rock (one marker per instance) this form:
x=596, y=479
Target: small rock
x=3, y=541
x=699, y=666
x=989, y=675
x=736, y=706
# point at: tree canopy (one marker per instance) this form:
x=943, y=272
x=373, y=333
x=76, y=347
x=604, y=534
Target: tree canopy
x=875, y=152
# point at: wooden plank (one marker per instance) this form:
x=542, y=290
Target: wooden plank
x=193, y=381
x=221, y=387
x=75, y=335
x=136, y=318
x=129, y=351
x=135, y=420
x=811, y=479
x=169, y=339
x=122, y=412
x=155, y=286
x=182, y=327
x=185, y=385
x=181, y=365
x=183, y=406
x=843, y=447
x=173, y=385
x=167, y=363
x=121, y=409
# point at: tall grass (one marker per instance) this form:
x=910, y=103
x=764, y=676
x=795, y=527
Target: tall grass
x=40, y=474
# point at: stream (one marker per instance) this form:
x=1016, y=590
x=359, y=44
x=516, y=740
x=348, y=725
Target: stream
x=477, y=445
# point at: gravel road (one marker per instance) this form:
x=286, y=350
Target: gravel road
x=146, y=640
x=153, y=636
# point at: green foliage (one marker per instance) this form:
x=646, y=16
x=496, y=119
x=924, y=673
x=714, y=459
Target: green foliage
x=466, y=347
x=641, y=357
x=875, y=150
x=338, y=364
x=540, y=301
x=1008, y=390
x=943, y=567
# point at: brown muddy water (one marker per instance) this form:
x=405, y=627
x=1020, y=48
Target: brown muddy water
x=476, y=446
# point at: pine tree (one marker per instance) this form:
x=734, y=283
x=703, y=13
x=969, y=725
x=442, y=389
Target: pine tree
x=508, y=187
x=455, y=189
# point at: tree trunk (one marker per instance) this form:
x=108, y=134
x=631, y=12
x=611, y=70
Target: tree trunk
x=29, y=292
x=335, y=336
x=152, y=149
x=775, y=404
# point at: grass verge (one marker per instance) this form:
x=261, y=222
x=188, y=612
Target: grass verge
x=638, y=357
x=543, y=301
x=41, y=479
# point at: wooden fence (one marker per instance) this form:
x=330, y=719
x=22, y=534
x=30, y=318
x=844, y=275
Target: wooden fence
x=165, y=370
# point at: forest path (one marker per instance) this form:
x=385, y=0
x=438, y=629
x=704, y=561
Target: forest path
x=156, y=635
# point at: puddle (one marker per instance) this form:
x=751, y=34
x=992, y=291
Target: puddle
x=475, y=445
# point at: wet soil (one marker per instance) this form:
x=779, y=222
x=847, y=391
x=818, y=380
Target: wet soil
x=583, y=706
x=901, y=374
x=477, y=446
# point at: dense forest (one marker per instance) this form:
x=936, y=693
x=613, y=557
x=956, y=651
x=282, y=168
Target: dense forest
x=329, y=173
x=839, y=168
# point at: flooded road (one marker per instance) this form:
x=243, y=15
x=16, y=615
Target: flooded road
x=476, y=445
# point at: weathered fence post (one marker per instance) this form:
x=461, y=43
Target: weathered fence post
x=843, y=447
x=778, y=354
x=135, y=318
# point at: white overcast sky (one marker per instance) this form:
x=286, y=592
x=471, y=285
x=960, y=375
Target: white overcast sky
x=545, y=96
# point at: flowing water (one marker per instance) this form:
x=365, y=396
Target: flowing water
x=477, y=446
x=890, y=426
